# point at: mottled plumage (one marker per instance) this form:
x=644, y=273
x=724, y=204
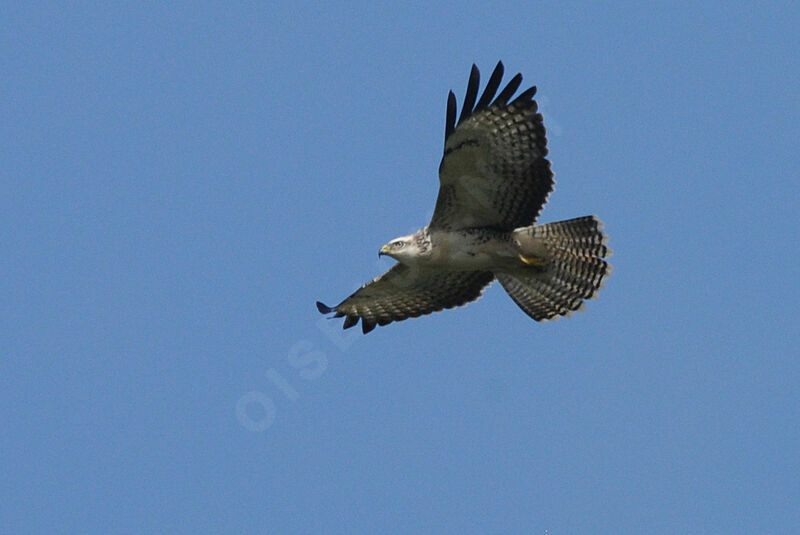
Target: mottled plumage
x=402, y=293
x=494, y=172
x=494, y=179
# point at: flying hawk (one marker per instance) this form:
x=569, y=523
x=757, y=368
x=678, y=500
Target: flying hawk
x=494, y=179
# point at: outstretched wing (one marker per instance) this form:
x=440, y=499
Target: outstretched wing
x=405, y=292
x=494, y=172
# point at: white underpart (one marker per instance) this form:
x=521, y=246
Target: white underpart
x=457, y=251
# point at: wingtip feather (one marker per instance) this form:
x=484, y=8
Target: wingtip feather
x=491, y=87
x=323, y=308
x=528, y=94
x=450, y=121
x=509, y=90
x=472, y=93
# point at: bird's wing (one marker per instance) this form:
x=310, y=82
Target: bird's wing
x=494, y=172
x=406, y=292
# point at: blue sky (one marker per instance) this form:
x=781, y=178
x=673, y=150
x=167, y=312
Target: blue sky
x=181, y=183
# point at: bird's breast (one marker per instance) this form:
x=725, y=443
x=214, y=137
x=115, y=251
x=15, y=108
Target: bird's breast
x=471, y=250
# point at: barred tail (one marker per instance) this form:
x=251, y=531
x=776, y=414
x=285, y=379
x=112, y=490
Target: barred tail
x=569, y=267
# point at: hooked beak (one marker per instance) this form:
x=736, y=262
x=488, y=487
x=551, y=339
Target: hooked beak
x=384, y=251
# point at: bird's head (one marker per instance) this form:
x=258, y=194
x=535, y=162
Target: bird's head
x=402, y=249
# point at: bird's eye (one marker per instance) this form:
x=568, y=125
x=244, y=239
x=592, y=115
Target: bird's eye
x=399, y=244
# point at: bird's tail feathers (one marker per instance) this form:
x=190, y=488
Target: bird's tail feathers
x=569, y=267
x=582, y=236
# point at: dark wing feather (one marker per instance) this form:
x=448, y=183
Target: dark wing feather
x=450, y=121
x=405, y=292
x=510, y=89
x=472, y=93
x=491, y=87
x=494, y=172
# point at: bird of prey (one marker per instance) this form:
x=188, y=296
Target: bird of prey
x=494, y=179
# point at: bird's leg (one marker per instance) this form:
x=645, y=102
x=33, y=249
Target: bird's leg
x=534, y=261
